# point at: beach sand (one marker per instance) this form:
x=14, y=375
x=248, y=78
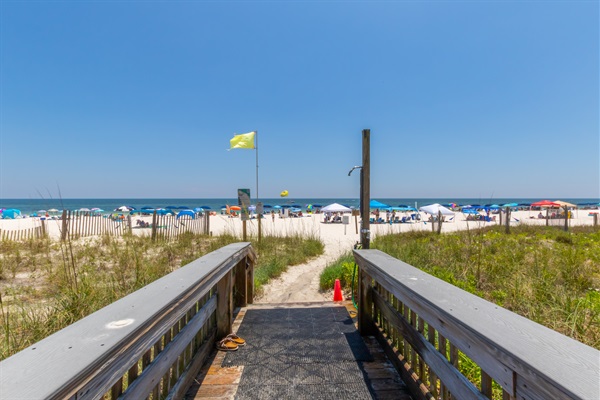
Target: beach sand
x=301, y=283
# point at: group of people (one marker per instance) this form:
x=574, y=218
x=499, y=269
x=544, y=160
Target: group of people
x=392, y=218
x=333, y=218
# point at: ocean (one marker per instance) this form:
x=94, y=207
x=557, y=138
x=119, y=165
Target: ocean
x=30, y=206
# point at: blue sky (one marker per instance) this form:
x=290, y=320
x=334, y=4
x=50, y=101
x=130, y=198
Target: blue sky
x=139, y=99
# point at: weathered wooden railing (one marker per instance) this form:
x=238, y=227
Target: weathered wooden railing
x=149, y=344
x=434, y=332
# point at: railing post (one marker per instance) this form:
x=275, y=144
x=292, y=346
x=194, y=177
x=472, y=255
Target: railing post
x=224, y=306
x=250, y=280
x=365, y=304
x=241, y=286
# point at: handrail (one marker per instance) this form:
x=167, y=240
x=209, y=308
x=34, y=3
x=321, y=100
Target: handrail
x=426, y=325
x=151, y=342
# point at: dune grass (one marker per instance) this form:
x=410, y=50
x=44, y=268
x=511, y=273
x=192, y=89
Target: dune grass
x=47, y=285
x=543, y=274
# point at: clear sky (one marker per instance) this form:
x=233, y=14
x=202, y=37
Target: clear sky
x=486, y=99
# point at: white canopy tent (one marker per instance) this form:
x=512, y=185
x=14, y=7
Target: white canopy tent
x=335, y=207
x=435, y=209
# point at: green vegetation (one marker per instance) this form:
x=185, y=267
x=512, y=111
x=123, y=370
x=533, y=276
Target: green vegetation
x=47, y=285
x=544, y=274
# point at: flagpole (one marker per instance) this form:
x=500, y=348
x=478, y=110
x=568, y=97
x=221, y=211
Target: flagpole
x=256, y=136
x=257, y=197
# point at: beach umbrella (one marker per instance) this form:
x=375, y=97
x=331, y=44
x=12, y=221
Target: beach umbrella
x=53, y=210
x=124, y=208
x=147, y=208
x=267, y=206
x=205, y=208
x=42, y=211
x=189, y=213
x=377, y=204
x=565, y=204
x=435, y=209
x=84, y=209
x=11, y=213
x=469, y=211
x=277, y=207
x=317, y=206
x=182, y=208
x=545, y=203
x=510, y=205
x=164, y=211
x=335, y=207
x=235, y=208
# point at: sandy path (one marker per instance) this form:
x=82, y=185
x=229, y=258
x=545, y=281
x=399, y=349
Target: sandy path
x=300, y=283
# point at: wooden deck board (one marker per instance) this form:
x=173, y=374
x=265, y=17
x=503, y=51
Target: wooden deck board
x=217, y=382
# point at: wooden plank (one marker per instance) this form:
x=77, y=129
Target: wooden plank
x=224, y=306
x=459, y=386
x=498, y=340
x=240, y=284
x=188, y=376
x=365, y=304
x=162, y=363
x=433, y=380
x=90, y=355
x=486, y=384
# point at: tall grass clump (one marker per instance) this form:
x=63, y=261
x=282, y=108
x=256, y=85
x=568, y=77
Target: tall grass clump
x=544, y=274
x=341, y=269
x=46, y=286
x=549, y=276
x=279, y=252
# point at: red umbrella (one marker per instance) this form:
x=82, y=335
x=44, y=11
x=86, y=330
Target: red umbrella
x=545, y=203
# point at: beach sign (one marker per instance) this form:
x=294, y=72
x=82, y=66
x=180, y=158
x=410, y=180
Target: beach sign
x=244, y=203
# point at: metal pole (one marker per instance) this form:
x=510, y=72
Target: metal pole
x=259, y=215
x=365, y=189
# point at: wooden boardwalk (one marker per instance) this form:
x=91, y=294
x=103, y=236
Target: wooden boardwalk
x=329, y=358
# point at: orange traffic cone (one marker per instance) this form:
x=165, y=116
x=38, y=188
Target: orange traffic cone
x=337, y=291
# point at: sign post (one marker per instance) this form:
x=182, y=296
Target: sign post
x=244, y=203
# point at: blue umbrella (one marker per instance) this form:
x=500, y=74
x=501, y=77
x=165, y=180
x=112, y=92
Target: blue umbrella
x=277, y=207
x=11, y=213
x=162, y=211
x=205, y=207
x=377, y=204
x=267, y=206
x=190, y=213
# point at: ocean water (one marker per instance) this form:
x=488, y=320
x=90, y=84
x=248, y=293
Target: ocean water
x=30, y=206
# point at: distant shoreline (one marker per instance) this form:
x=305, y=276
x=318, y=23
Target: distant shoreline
x=30, y=206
